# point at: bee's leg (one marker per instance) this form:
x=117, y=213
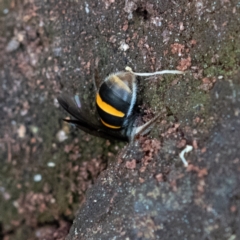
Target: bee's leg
x=145, y=128
x=96, y=80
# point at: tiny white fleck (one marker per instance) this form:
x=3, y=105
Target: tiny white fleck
x=61, y=136
x=12, y=45
x=123, y=46
x=187, y=149
x=95, y=200
x=156, y=21
x=5, y=11
x=55, y=102
x=51, y=164
x=15, y=204
x=21, y=131
x=87, y=8
x=41, y=24
x=37, y=177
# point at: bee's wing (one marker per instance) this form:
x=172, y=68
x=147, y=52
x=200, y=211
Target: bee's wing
x=74, y=106
x=84, y=120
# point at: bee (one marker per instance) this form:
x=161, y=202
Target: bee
x=115, y=101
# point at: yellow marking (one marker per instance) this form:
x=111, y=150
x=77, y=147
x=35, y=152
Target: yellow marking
x=120, y=83
x=110, y=126
x=108, y=108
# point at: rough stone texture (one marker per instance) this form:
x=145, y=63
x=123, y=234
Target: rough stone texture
x=166, y=200
x=145, y=192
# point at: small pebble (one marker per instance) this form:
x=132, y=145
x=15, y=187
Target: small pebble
x=51, y=164
x=61, y=136
x=12, y=45
x=37, y=178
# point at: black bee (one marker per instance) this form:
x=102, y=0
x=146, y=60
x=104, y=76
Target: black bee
x=115, y=100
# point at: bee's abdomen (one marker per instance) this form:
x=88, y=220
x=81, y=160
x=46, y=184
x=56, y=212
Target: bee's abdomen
x=113, y=102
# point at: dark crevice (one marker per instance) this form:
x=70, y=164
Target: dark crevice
x=141, y=12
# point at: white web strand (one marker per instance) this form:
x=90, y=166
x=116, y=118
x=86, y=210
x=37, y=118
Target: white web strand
x=154, y=73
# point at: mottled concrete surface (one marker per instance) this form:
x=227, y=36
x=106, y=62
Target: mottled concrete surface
x=161, y=199
x=143, y=190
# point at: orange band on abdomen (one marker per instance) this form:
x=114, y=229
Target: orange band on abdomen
x=110, y=126
x=108, y=108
